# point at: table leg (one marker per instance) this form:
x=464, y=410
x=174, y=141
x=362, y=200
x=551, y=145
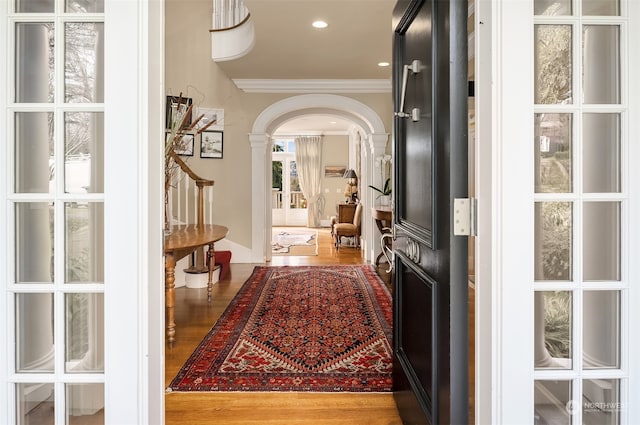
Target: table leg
x=383, y=227
x=211, y=264
x=170, y=296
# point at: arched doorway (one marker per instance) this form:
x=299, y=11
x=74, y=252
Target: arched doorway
x=374, y=141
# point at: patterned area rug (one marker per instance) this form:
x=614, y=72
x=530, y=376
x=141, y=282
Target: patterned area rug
x=295, y=328
x=294, y=241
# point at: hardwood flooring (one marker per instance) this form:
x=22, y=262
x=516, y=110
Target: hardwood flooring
x=194, y=318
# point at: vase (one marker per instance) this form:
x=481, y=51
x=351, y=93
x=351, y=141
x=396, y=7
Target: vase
x=385, y=200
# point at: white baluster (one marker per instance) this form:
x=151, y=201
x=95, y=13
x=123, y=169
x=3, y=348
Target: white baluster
x=195, y=204
x=210, y=204
x=186, y=198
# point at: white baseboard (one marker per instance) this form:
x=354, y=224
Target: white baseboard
x=239, y=253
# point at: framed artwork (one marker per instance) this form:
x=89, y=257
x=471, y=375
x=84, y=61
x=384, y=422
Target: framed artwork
x=175, y=108
x=211, y=144
x=208, y=115
x=334, y=170
x=185, y=145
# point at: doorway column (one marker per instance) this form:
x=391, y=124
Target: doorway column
x=260, y=217
x=377, y=147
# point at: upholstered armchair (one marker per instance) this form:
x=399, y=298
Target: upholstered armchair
x=351, y=230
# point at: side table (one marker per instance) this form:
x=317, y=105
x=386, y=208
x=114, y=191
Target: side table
x=382, y=216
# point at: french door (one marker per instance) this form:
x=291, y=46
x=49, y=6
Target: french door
x=75, y=260
x=581, y=210
x=430, y=169
x=288, y=204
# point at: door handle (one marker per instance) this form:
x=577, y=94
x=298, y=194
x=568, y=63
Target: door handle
x=415, y=68
x=388, y=253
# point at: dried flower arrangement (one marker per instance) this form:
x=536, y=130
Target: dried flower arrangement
x=181, y=125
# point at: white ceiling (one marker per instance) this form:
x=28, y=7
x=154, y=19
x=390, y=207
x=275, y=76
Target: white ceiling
x=359, y=36
x=311, y=124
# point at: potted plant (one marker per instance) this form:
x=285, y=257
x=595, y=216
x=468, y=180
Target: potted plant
x=384, y=193
x=384, y=163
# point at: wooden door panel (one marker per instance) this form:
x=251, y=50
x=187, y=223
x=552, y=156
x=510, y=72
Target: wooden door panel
x=415, y=156
x=430, y=170
x=416, y=342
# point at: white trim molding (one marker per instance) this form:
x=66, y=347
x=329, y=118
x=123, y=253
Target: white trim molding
x=313, y=86
x=267, y=123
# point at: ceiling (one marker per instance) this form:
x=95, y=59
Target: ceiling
x=288, y=47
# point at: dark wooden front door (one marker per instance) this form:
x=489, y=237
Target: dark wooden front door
x=430, y=169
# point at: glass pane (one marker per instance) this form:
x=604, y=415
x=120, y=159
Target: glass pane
x=83, y=61
x=601, y=402
x=84, y=242
x=552, y=402
x=601, y=64
x=297, y=198
x=34, y=62
x=553, y=324
x=601, y=7
x=553, y=58
x=85, y=404
x=601, y=153
x=553, y=230
x=601, y=329
x=553, y=143
x=34, y=242
x=34, y=150
x=34, y=404
x=276, y=190
x=30, y=6
x=84, y=147
x=84, y=6
x=84, y=333
x=552, y=8
x=278, y=146
x=601, y=244
x=34, y=332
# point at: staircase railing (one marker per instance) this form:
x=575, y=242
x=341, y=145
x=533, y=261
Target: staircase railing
x=189, y=194
x=229, y=14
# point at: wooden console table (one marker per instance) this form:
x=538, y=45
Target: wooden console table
x=382, y=216
x=181, y=242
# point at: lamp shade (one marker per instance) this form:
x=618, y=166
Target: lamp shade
x=350, y=174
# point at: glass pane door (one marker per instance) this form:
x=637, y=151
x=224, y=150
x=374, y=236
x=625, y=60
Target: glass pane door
x=580, y=209
x=289, y=206
x=56, y=288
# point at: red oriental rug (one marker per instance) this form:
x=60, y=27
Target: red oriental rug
x=294, y=328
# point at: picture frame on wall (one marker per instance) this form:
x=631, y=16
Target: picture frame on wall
x=208, y=115
x=334, y=170
x=184, y=146
x=211, y=144
x=174, y=105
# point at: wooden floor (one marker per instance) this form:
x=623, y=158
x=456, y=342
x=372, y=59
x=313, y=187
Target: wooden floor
x=194, y=318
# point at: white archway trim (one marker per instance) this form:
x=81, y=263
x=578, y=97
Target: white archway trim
x=347, y=107
x=268, y=122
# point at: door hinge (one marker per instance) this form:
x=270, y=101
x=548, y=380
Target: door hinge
x=465, y=217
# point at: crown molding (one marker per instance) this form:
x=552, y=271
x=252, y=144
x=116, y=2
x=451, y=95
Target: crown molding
x=313, y=86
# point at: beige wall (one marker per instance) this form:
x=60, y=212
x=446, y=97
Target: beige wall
x=335, y=152
x=189, y=69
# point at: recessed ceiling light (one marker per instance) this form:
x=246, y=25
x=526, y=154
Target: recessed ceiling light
x=320, y=24
x=383, y=63
x=333, y=122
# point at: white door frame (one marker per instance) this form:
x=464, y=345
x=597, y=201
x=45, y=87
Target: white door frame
x=504, y=266
x=134, y=290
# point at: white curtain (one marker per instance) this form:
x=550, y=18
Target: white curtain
x=309, y=165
